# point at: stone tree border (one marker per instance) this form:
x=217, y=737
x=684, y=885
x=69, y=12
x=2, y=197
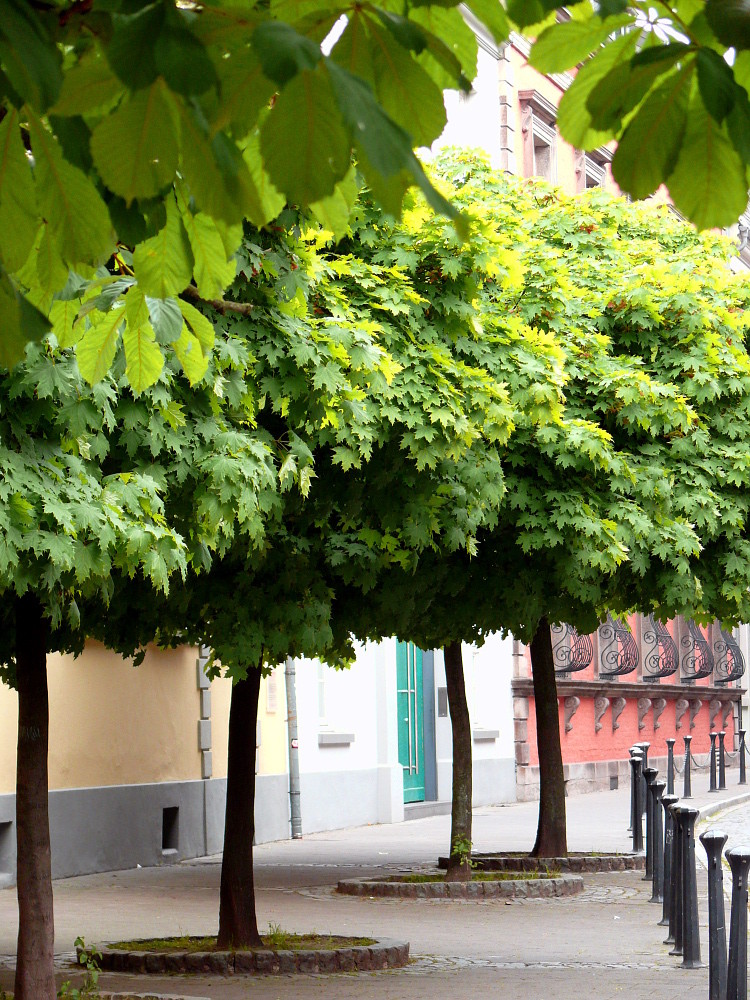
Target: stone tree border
x=532, y=888
x=572, y=863
x=383, y=954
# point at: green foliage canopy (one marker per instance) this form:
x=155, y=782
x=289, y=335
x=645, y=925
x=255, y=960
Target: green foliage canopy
x=143, y=132
x=631, y=492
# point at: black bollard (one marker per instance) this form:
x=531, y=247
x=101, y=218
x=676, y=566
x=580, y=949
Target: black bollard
x=674, y=937
x=635, y=765
x=644, y=789
x=722, y=762
x=743, y=779
x=667, y=891
x=712, y=770
x=657, y=852
x=633, y=751
x=649, y=773
x=687, y=792
x=691, y=938
x=670, y=765
x=739, y=862
x=713, y=841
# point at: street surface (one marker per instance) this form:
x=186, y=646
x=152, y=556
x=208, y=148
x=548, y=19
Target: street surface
x=604, y=943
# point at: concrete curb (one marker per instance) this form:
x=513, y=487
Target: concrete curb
x=711, y=808
x=531, y=888
x=383, y=954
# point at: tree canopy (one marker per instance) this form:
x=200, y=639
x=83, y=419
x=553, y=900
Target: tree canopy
x=136, y=137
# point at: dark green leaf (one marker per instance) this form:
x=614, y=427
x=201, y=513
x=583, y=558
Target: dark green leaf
x=738, y=124
x=620, y=92
x=408, y=34
x=283, y=52
x=319, y=132
x=526, y=12
x=661, y=53
x=649, y=146
x=131, y=49
x=30, y=58
x=708, y=183
x=183, y=61
x=730, y=21
x=716, y=83
x=75, y=136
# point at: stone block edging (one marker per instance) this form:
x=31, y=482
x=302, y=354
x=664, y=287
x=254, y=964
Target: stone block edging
x=575, y=863
x=383, y=954
x=531, y=888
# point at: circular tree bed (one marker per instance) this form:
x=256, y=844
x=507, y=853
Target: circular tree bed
x=571, y=863
x=300, y=953
x=483, y=885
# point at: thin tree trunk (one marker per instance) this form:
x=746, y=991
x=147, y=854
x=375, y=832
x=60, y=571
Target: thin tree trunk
x=238, y=923
x=551, y=837
x=35, y=971
x=459, y=866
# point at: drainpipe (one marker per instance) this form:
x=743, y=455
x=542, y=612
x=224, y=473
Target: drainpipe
x=291, y=719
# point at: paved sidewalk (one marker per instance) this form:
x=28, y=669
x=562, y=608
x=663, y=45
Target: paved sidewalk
x=605, y=942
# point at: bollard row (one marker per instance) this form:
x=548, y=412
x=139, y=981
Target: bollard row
x=671, y=867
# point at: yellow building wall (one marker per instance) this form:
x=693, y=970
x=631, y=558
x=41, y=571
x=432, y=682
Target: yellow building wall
x=8, y=738
x=115, y=724
x=272, y=753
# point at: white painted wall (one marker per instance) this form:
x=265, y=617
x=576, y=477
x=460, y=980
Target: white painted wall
x=474, y=119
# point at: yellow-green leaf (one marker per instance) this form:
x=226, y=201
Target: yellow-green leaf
x=87, y=86
x=144, y=360
x=77, y=217
x=18, y=214
x=135, y=149
x=164, y=264
x=96, y=348
x=62, y=314
x=200, y=326
x=211, y=270
x=190, y=355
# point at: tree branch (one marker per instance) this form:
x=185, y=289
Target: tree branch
x=222, y=306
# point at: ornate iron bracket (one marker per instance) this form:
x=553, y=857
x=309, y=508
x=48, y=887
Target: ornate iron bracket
x=698, y=660
x=729, y=661
x=619, y=652
x=571, y=651
x=662, y=659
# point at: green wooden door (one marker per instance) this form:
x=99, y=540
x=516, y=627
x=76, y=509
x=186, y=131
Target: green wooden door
x=410, y=719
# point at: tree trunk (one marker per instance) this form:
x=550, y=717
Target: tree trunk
x=35, y=971
x=459, y=866
x=238, y=924
x=551, y=836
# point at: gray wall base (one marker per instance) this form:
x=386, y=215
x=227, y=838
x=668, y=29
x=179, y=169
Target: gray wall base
x=114, y=827
x=332, y=800
x=493, y=781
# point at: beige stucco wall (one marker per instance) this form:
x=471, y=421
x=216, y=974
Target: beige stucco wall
x=8, y=737
x=113, y=724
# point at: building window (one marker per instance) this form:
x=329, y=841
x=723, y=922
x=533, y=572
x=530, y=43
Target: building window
x=539, y=136
x=591, y=168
